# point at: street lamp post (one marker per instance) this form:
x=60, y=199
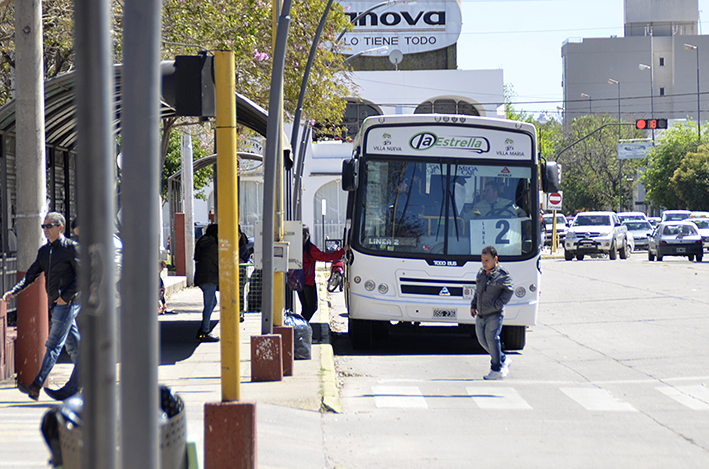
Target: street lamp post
x=652, y=100
x=620, y=162
x=584, y=95
x=699, y=107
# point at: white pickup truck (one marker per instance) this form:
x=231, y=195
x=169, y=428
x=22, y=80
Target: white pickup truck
x=596, y=233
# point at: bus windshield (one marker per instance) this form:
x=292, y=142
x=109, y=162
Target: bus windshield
x=445, y=208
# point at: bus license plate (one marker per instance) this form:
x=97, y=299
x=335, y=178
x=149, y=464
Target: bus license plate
x=444, y=313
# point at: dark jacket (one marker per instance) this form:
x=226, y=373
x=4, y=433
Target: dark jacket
x=60, y=263
x=492, y=291
x=311, y=253
x=206, y=256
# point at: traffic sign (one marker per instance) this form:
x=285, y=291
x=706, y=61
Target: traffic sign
x=554, y=201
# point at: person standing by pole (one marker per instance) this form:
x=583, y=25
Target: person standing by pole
x=206, y=277
x=493, y=290
x=309, y=296
x=59, y=260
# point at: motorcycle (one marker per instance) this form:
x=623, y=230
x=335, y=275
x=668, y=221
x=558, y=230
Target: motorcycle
x=337, y=276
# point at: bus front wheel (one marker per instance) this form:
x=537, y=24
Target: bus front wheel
x=360, y=332
x=513, y=337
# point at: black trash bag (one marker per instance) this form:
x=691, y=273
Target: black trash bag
x=302, y=335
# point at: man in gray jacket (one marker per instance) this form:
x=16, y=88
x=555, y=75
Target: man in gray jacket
x=493, y=289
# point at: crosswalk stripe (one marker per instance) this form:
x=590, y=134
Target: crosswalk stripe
x=399, y=397
x=695, y=397
x=598, y=400
x=497, y=398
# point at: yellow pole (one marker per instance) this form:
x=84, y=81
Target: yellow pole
x=228, y=217
x=279, y=279
x=554, y=234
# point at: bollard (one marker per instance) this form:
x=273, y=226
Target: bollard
x=266, y=361
x=230, y=435
x=286, y=334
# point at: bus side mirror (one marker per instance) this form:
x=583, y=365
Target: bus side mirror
x=550, y=177
x=350, y=168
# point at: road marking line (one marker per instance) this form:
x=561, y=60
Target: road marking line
x=595, y=399
x=497, y=398
x=399, y=397
x=695, y=397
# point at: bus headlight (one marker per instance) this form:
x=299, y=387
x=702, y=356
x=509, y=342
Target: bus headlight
x=520, y=291
x=383, y=288
x=357, y=279
x=369, y=285
x=533, y=287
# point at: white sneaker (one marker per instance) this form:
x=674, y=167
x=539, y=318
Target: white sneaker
x=507, y=363
x=496, y=374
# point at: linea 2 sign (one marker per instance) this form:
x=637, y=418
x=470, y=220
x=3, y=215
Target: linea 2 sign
x=411, y=28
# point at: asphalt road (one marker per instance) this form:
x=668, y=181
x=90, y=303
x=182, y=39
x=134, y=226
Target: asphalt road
x=614, y=374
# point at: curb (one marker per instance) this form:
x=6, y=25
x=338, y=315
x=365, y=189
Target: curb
x=328, y=381
x=330, y=401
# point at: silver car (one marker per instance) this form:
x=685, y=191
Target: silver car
x=641, y=232
x=676, y=238
x=703, y=227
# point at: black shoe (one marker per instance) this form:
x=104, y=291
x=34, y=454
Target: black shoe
x=206, y=337
x=59, y=394
x=31, y=390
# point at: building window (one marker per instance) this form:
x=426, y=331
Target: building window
x=447, y=106
x=355, y=113
x=662, y=91
x=662, y=61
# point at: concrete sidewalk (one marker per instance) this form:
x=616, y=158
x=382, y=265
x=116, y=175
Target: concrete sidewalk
x=288, y=411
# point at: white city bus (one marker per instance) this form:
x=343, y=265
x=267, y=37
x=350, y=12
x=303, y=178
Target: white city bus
x=419, y=215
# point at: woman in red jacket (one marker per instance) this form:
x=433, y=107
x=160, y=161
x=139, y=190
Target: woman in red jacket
x=311, y=253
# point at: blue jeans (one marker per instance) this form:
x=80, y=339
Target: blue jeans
x=488, y=329
x=209, y=297
x=62, y=330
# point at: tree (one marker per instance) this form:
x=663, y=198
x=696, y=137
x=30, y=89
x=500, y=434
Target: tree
x=190, y=26
x=691, y=179
x=665, y=159
x=201, y=147
x=591, y=169
x=245, y=27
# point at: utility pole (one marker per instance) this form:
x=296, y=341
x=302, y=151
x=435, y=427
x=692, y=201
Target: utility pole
x=31, y=166
x=188, y=204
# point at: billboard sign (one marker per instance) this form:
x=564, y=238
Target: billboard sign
x=412, y=28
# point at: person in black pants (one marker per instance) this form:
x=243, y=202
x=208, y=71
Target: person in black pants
x=309, y=295
x=206, y=277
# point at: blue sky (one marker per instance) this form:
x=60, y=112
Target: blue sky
x=524, y=38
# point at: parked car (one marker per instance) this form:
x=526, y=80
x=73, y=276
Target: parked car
x=640, y=231
x=675, y=215
x=596, y=233
x=549, y=227
x=703, y=227
x=624, y=216
x=676, y=238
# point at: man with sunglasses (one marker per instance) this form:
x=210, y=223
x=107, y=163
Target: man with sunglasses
x=59, y=260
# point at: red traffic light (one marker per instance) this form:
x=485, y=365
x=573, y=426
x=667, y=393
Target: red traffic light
x=651, y=124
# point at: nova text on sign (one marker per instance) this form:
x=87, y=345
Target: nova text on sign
x=411, y=28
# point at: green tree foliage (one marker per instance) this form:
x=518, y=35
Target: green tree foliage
x=691, y=179
x=58, y=24
x=664, y=161
x=189, y=26
x=173, y=163
x=591, y=176
x=245, y=27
